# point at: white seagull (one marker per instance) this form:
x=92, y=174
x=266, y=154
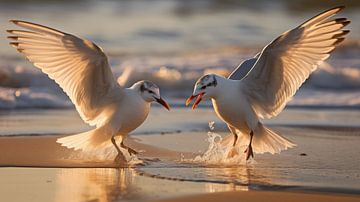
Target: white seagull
x=261, y=86
x=82, y=70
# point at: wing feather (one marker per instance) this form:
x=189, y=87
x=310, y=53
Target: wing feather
x=243, y=69
x=288, y=61
x=78, y=65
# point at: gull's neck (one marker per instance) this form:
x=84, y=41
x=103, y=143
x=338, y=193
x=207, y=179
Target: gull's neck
x=224, y=86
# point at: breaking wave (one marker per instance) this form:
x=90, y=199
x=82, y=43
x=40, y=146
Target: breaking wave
x=23, y=86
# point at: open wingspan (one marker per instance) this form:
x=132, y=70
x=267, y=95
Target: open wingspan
x=79, y=66
x=288, y=61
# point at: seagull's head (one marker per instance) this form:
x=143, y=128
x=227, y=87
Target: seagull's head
x=204, y=88
x=151, y=92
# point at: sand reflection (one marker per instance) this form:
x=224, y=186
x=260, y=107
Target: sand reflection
x=94, y=184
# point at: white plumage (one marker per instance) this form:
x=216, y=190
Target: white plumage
x=82, y=70
x=261, y=86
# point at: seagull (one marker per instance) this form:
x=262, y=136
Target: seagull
x=261, y=86
x=82, y=70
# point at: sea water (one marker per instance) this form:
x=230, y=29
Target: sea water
x=173, y=43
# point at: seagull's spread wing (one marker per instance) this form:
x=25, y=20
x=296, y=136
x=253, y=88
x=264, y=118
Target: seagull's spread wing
x=288, y=61
x=77, y=65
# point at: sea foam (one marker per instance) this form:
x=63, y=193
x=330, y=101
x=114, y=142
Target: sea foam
x=335, y=83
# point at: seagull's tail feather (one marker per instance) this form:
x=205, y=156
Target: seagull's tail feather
x=86, y=141
x=266, y=140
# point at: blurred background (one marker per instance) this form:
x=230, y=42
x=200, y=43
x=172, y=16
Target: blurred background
x=174, y=42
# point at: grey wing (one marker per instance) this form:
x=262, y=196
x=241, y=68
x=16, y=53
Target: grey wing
x=243, y=69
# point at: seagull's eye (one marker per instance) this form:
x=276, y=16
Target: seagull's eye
x=151, y=92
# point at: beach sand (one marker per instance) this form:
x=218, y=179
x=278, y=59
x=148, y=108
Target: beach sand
x=43, y=151
x=323, y=167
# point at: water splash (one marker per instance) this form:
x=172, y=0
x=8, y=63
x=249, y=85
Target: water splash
x=106, y=152
x=221, y=151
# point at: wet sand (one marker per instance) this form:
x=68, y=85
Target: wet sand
x=43, y=151
x=107, y=184
x=256, y=196
x=82, y=181
x=323, y=167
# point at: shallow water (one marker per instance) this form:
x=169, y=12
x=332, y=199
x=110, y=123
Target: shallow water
x=324, y=160
x=92, y=184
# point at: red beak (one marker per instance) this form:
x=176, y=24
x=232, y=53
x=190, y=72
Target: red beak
x=188, y=101
x=197, y=101
x=163, y=103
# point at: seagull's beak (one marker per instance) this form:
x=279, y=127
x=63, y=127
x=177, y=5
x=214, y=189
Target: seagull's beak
x=197, y=101
x=163, y=103
x=188, y=101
